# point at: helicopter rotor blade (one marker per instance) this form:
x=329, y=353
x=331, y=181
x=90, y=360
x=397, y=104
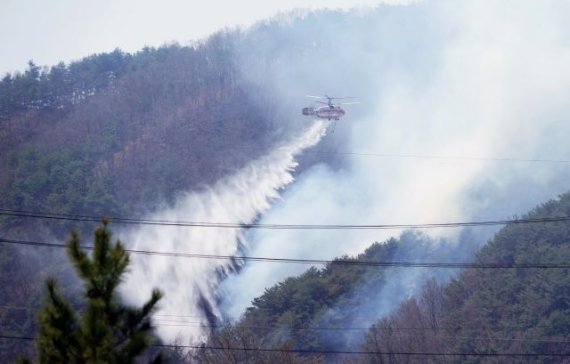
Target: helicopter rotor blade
x=332, y=97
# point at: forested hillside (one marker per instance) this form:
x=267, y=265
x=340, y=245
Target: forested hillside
x=331, y=308
x=432, y=139
x=122, y=134
x=483, y=311
x=493, y=311
x=115, y=133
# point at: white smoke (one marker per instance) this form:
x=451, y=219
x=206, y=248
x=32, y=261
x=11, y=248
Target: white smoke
x=435, y=79
x=442, y=78
x=189, y=284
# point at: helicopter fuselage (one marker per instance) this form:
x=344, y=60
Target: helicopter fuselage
x=325, y=112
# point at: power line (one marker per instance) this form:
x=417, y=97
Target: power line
x=123, y=220
x=157, y=322
x=330, y=352
x=167, y=320
x=336, y=328
x=396, y=330
x=440, y=157
x=347, y=352
x=399, y=264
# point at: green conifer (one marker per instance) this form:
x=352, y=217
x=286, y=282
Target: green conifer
x=106, y=331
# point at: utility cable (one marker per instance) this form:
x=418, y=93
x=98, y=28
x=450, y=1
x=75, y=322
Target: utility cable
x=331, y=352
x=347, y=262
x=123, y=220
x=441, y=157
x=347, y=352
x=395, y=331
x=160, y=322
x=167, y=320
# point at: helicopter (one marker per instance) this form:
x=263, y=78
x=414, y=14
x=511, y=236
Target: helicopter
x=330, y=111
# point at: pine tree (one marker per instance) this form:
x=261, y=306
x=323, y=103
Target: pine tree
x=106, y=331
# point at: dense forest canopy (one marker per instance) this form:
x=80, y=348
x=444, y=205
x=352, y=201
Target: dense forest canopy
x=116, y=131
x=58, y=87
x=483, y=311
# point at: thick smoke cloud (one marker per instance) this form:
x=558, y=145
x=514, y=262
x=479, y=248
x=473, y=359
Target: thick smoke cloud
x=443, y=78
x=485, y=79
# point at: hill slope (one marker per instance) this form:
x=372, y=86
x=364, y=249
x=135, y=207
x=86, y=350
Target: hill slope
x=142, y=128
x=496, y=310
x=113, y=134
x=481, y=311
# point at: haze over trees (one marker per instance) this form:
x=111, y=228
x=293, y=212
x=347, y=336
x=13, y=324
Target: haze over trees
x=120, y=134
x=494, y=311
x=484, y=312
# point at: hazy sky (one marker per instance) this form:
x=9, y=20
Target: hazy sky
x=63, y=30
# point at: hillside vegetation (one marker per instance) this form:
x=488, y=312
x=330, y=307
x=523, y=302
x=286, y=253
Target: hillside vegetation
x=121, y=134
x=114, y=134
x=118, y=133
x=481, y=311
x=494, y=311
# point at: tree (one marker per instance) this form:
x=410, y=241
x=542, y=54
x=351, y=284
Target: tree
x=106, y=331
